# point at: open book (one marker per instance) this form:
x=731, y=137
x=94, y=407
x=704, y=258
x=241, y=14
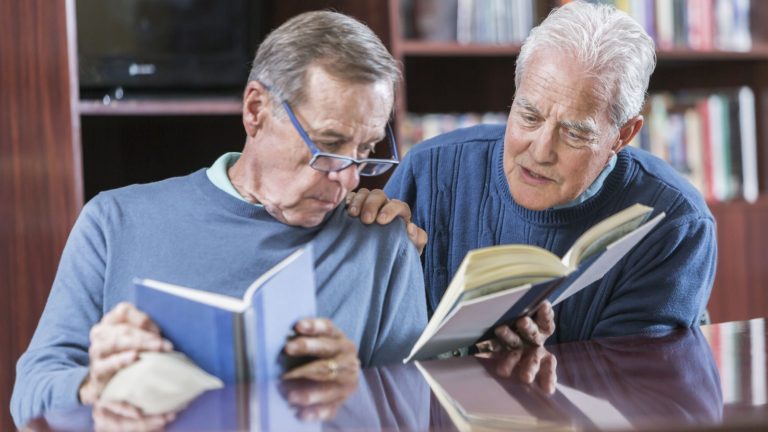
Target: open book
x=235, y=339
x=498, y=284
x=475, y=399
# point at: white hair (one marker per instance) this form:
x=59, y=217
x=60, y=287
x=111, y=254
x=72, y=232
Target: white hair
x=611, y=46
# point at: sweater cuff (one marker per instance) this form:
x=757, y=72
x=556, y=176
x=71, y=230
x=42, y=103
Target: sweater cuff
x=66, y=391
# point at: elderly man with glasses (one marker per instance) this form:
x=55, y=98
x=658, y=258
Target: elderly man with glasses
x=315, y=112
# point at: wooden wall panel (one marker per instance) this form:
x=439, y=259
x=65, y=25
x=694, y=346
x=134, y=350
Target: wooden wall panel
x=39, y=170
x=741, y=284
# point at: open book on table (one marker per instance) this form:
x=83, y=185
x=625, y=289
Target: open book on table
x=475, y=399
x=498, y=284
x=235, y=339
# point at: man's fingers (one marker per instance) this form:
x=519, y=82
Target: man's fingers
x=314, y=393
x=392, y=209
x=126, y=313
x=318, y=327
x=507, y=363
x=340, y=368
x=529, y=331
x=355, y=201
x=109, y=416
x=103, y=369
x=322, y=347
x=109, y=339
x=373, y=206
x=545, y=319
x=506, y=336
x=417, y=236
x=547, y=378
x=529, y=364
x=318, y=412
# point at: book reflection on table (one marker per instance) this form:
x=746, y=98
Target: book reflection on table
x=476, y=399
x=610, y=384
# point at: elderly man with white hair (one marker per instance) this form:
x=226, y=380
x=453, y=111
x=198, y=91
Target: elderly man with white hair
x=559, y=165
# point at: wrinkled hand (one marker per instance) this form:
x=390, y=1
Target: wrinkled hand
x=115, y=343
x=530, y=365
x=527, y=331
x=315, y=400
x=374, y=205
x=336, y=354
x=122, y=416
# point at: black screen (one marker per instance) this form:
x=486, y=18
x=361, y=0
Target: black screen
x=173, y=44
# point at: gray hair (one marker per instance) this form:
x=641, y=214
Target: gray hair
x=346, y=48
x=610, y=44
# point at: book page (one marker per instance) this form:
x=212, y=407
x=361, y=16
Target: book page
x=479, y=262
x=605, y=232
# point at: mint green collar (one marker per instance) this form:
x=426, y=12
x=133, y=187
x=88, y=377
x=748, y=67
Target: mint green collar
x=217, y=174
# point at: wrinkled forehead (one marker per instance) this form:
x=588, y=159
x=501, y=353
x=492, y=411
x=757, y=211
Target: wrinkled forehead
x=554, y=78
x=328, y=96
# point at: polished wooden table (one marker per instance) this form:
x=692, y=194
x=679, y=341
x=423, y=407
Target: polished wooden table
x=712, y=378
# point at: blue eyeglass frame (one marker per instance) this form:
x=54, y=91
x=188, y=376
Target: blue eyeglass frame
x=316, y=153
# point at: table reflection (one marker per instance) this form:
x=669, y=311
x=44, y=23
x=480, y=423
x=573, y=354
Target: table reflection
x=687, y=379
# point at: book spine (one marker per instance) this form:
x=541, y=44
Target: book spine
x=242, y=371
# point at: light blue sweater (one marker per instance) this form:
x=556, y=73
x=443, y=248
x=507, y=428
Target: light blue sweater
x=188, y=232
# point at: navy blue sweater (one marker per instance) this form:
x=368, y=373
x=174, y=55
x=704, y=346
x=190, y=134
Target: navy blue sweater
x=457, y=190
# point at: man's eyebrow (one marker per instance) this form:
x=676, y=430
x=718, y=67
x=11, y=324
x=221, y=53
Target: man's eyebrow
x=330, y=133
x=524, y=104
x=588, y=127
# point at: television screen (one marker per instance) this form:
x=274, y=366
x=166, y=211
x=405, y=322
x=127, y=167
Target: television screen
x=169, y=44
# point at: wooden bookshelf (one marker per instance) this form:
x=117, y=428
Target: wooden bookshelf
x=162, y=107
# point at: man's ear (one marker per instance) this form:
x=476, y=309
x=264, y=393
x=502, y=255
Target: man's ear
x=628, y=131
x=256, y=106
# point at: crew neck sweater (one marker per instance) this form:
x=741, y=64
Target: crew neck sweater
x=188, y=232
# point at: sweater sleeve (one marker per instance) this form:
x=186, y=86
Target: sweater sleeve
x=665, y=283
x=404, y=310
x=49, y=373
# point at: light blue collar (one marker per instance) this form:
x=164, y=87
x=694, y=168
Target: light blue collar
x=594, y=188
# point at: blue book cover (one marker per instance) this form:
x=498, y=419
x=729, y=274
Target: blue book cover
x=234, y=339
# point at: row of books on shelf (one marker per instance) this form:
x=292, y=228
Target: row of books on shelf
x=696, y=24
x=469, y=21
x=735, y=356
x=709, y=137
x=416, y=128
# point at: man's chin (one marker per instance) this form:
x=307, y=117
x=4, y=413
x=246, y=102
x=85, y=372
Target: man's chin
x=532, y=200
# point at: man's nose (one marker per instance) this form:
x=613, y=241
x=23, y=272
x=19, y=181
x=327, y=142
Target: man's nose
x=542, y=146
x=349, y=177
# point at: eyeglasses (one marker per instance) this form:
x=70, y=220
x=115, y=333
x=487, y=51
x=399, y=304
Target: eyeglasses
x=329, y=162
